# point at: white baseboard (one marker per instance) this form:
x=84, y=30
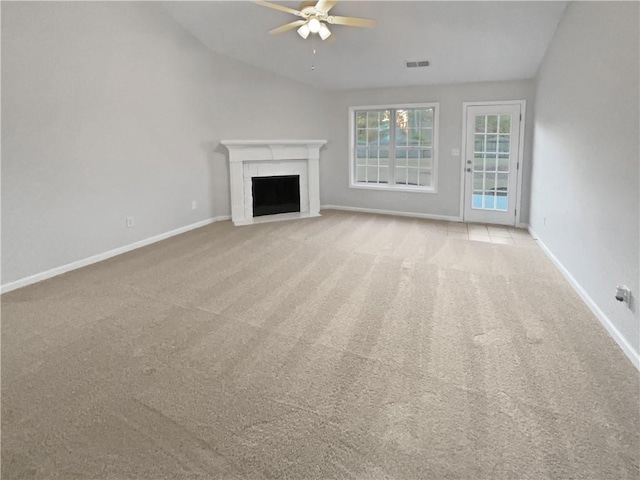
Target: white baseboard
x=38, y=277
x=622, y=342
x=392, y=212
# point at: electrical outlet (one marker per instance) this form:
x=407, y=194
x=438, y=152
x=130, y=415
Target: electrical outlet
x=623, y=294
x=194, y=205
x=130, y=222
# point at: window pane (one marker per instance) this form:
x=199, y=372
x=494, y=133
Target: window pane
x=383, y=155
x=361, y=174
x=401, y=157
x=476, y=201
x=425, y=178
x=503, y=182
x=490, y=164
x=479, y=143
x=478, y=181
x=413, y=118
x=492, y=124
x=361, y=137
x=414, y=137
x=478, y=162
x=481, y=122
x=361, y=119
x=503, y=163
x=505, y=123
x=425, y=162
x=401, y=176
x=502, y=201
x=503, y=143
x=492, y=143
x=402, y=139
x=383, y=137
x=426, y=117
x=426, y=137
x=489, y=181
x=372, y=174
x=402, y=118
x=489, y=200
x=384, y=175
x=372, y=120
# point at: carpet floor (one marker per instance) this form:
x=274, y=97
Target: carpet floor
x=347, y=346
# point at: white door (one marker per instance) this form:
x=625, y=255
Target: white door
x=492, y=146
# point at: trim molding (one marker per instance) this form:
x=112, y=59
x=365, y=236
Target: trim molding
x=392, y=212
x=622, y=342
x=38, y=277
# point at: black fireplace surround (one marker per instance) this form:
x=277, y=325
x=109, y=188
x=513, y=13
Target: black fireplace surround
x=278, y=194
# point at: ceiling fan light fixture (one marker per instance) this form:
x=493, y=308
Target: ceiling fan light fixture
x=324, y=31
x=314, y=25
x=313, y=18
x=304, y=31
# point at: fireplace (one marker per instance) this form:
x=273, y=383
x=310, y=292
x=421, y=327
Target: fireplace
x=250, y=159
x=276, y=194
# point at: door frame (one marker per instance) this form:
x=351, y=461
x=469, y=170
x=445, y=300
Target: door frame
x=523, y=113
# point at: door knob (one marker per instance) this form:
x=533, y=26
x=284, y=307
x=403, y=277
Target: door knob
x=468, y=169
x=468, y=162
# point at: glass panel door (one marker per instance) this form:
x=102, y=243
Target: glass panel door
x=491, y=163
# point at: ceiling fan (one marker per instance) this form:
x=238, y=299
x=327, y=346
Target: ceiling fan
x=314, y=18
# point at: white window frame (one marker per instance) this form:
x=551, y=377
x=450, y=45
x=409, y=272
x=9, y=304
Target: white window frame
x=393, y=187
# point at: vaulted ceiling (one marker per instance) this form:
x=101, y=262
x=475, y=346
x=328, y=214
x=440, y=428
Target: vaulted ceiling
x=463, y=41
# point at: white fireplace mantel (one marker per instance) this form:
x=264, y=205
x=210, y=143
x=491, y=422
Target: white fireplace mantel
x=261, y=158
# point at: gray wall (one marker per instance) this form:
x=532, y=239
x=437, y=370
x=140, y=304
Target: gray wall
x=111, y=109
x=585, y=200
x=335, y=163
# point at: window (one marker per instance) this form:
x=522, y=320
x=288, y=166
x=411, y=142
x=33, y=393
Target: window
x=394, y=147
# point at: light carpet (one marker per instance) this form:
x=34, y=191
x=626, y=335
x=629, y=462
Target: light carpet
x=346, y=346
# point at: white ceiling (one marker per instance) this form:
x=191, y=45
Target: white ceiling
x=464, y=41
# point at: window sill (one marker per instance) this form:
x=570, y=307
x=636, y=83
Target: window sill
x=394, y=188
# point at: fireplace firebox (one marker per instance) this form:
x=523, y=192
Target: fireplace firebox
x=275, y=194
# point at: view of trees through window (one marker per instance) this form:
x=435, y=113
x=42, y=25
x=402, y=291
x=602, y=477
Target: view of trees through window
x=402, y=155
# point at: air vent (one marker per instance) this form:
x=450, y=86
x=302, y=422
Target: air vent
x=421, y=63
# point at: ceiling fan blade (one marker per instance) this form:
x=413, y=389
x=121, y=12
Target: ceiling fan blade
x=282, y=8
x=287, y=26
x=325, y=5
x=352, y=21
